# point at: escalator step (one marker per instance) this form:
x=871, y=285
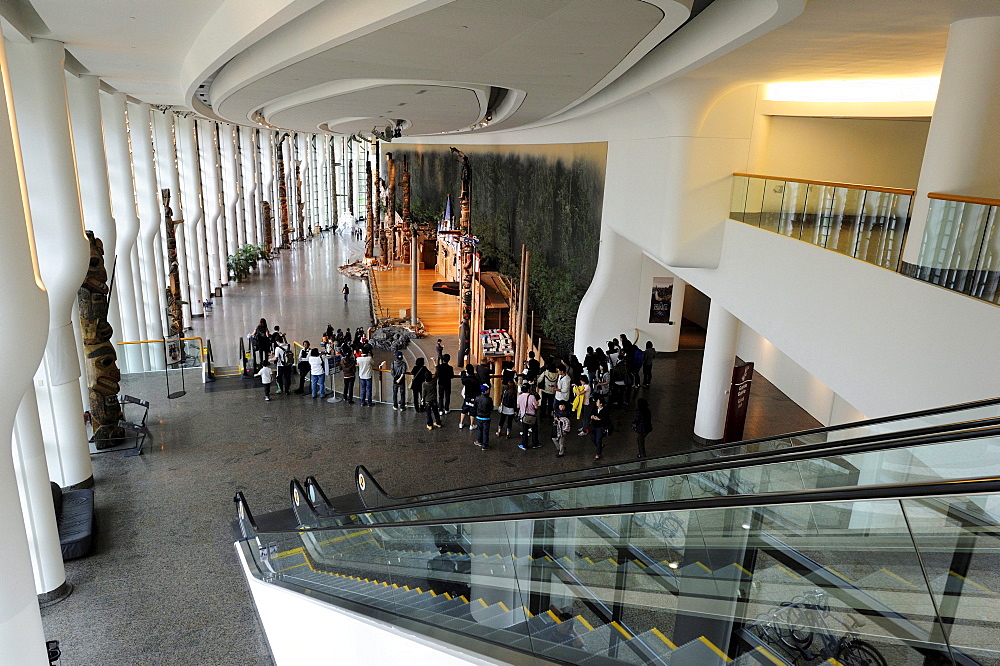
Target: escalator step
x=699, y=651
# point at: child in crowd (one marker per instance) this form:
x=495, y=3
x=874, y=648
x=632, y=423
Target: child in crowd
x=266, y=377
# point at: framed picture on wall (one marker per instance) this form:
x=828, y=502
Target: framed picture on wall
x=659, y=304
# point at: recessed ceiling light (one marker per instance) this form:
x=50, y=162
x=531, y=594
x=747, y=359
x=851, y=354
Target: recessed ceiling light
x=858, y=90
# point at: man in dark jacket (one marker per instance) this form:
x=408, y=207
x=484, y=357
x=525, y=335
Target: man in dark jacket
x=484, y=410
x=445, y=373
x=420, y=374
x=350, y=368
x=398, y=372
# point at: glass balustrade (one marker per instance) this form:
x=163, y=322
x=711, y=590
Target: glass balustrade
x=867, y=223
x=906, y=580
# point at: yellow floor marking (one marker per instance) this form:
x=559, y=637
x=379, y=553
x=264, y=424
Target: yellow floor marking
x=395, y=586
x=590, y=561
x=770, y=657
x=464, y=600
x=703, y=567
x=711, y=646
x=527, y=612
x=790, y=573
x=901, y=579
x=584, y=622
x=640, y=564
x=294, y=566
x=554, y=616
x=621, y=631
x=969, y=582
x=447, y=596
x=548, y=558
x=485, y=605
x=742, y=569
x=432, y=593
x=838, y=574
x=659, y=634
x=345, y=537
x=501, y=605
x=289, y=553
x=833, y=661
x=612, y=561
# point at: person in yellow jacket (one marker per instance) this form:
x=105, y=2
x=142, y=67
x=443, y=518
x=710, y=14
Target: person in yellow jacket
x=581, y=403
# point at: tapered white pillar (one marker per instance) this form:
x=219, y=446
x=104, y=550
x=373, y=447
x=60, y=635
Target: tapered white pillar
x=24, y=308
x=190, y=173
x=36, y=502
x=39, y=87
x=212, y=198
x=249, y=182
x=127, y=287
x=716, y=374
x=150, y=250
x=168, y=178
x=230, y=194
x=962, y=154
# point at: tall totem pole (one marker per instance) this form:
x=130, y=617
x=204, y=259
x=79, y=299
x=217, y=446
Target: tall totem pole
x=369, y=214
x=333, y=187
x=267, y=222
x=407, y=222
x=101, y=361
x=299, y=204
x=283, y=193
x=174, y=296
x=465, y=289
x=379, y=220
x=390, y=230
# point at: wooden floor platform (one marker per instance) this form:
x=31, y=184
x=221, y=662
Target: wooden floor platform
x=438, y=312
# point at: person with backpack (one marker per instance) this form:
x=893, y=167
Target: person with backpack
x=619, y=382
x=470, y=390
x=349, y=366
x=445, y=373
x=484, y=411
x=547, y=387
x=398, y=373
x=508, y=408
x=303, y=366
x=560, y=426
x=284, y=359
x=420, y=374
x=642, y=424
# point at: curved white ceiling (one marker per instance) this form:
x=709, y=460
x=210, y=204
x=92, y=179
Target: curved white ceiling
x=547, y=53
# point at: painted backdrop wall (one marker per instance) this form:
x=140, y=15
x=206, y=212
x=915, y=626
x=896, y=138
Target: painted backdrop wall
x=548, y=197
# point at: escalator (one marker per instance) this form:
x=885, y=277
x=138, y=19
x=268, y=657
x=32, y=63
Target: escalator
x=873, y=575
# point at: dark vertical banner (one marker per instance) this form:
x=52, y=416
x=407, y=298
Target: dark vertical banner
x=739, y=398
x=659, y=303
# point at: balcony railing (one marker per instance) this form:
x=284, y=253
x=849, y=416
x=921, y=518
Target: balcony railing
x=865, y=222
x=961, y=246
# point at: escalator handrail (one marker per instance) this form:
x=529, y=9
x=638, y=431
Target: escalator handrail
x=884, y=441
x=887, y=491
x=598, y=470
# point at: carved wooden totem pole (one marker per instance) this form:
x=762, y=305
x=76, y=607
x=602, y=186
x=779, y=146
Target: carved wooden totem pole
x=99, y=354
x=379, y=220
x=267, y=222
x=369, y=214
x=283, y=194
x=174, y=296
x=350, y=186
x=300, y=205
x=468, y=252
x=407, y=222
x=390, y=227
x=333, y=187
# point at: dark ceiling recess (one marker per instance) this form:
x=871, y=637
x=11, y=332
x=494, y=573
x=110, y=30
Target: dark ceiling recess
x=497, y=96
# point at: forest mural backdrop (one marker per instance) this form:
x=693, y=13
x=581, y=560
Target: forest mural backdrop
x=547, y=197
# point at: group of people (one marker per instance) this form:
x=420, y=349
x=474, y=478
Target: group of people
x=542, y=397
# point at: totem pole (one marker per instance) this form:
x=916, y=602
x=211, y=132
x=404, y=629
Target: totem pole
x=350, y=186
x=369, y=215
x=333, y=186
x=379, y=221
x=407, y=223
x=174, y=300
x=300, y=205
x=390, y=227
x=268, y=221
x=465, y=291
x=99, y=354
x=283, y=194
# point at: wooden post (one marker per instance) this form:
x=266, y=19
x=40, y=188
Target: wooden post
x=369, y=215
x=267, y=221
x=525, y=336
x=283, y=193
x=390, y=230
x=299, y=203
x=465, y=286
x=407, y=222
x=414, y=276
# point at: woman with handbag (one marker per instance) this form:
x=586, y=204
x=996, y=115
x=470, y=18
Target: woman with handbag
x=527, y=409
x=508, y=408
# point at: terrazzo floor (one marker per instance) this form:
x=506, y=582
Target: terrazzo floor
x=163, y=585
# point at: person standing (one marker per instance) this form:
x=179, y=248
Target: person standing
x=439, y=349
x=430, y=401
x=470, y=390
x=260, y=340
x=445, y=373
x=642, y=424
x=547, y=387
x=278, y=337
x=303, y=366
x=602, y=384
x=420, y=373
x=581, y=404
x=483, y=372
x=560, y=426
x=266, y=377
x=648, y=354
x=365, y=375
x=563, y=386
x=599, y=419
x=508, y=408
x=527, y=409
x=317, y=374
x=346, y=290
x=349, y=366
x=283, y=359
x=398, y=372
x=484, y=410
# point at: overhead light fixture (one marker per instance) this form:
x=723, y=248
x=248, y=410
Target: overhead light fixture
x=858, y=90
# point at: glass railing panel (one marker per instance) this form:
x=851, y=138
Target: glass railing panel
x=958, y=539
x=986, y=281
x=738, y=208
x=771, y=206
x=805, y=582
x=793, y=205
x=953, y=241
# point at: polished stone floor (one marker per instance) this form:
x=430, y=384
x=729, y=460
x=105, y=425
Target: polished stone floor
x=164, y=586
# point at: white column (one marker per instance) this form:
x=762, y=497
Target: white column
x=64, y=253
x=36, y=501
x=229, y=188
x=962, y=154
x=214, y=232
x=249, y=182
x=150, y=249
x=23, y=307
x=190, y=172
x=166, y=168
x=127, y=223
x=716, y=374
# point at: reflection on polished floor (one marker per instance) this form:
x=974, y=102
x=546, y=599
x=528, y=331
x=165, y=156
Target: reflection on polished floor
x=437, y=312
x=164, y=586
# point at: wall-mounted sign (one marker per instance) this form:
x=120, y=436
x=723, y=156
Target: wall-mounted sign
x=659, y=304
